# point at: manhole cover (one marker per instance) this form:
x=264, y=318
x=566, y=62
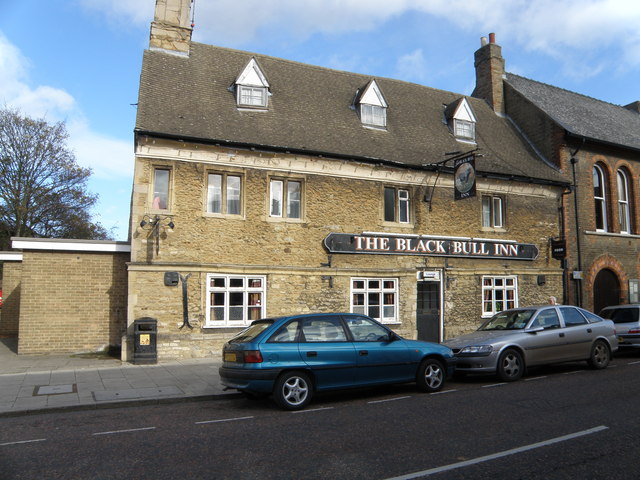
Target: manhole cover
x=55, y=389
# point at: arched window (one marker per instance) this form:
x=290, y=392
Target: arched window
x=623, y=202
x=600, y=198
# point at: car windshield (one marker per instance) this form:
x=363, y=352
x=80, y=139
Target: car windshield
x=250, y=333
x=508, y=320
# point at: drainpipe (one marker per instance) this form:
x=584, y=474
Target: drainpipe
x=578, y=281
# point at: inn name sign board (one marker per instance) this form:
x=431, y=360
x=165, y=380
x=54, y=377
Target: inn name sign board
x=428, y=245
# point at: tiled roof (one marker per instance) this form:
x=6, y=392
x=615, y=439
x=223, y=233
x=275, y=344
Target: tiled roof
x=311, y=110
x=581, y=115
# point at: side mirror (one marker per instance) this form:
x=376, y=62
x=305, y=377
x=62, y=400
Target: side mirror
x=393, y=337
x=534, y=330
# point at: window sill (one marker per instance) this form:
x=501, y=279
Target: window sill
x=223, y=216
x=611, y=234
x=285, y=220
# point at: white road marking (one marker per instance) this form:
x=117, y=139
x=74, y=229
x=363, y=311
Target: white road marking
x=444, y=391
x=224, y=420
x=573, y=372
x=389, y=399
x=125, y=431
x=494, y=456
x=633, y=363
x=534, y=378
x=313, y=410
x=494, y=385
x=23, y=441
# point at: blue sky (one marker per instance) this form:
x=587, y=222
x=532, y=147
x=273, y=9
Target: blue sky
x=79, y=60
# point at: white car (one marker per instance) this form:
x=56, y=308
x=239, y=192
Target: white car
x=627, y=320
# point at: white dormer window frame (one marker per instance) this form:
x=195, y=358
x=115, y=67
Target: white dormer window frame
x=464, y=122
x=252, y=87
x=373, y=107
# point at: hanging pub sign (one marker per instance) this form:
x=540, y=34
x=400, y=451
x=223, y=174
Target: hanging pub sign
x=465, y=177
x=428, y=245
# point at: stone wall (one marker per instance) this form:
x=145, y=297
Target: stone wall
x=338, y=197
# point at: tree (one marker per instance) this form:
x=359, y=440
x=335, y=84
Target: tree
x=43, y=191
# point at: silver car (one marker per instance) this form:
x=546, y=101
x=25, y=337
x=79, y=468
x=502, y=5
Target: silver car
x=627, y=320
x=513, y=340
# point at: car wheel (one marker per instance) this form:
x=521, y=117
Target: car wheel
x=430, y=377
x=510, y=366
x=293, y=390
x=600, y=355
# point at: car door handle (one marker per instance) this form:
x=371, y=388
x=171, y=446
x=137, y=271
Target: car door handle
x=588, y=330
x=312, y=354
x=561, y=334
x=364, y=353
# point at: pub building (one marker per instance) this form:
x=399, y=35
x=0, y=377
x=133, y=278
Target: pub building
x=271, y=187
x=266, y=187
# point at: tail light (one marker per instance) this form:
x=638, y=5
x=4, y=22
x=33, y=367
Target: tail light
x=252, y=356
x=634, y=330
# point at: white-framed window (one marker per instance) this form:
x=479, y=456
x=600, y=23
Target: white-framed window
x=492, y=211
x=375, y=297
x=252, y=96
x=285, y=198
x=224, y=193
x=464, y=129
x=373, y=115
x=498, y=294
x=235, y=300
x=623, y=202
x=161, y=186
x=600, y=198
x=397, y=205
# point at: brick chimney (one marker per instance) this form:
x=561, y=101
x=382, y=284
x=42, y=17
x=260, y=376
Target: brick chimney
x=489, y=73
x=171, y=27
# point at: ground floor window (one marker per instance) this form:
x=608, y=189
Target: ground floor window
x=234, y=300
x=375, y=297
x=498, y=294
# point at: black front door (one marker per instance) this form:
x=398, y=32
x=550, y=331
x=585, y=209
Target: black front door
x=606, y=290
x=428, y=311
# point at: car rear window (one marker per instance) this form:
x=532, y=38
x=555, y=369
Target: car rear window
x=621, y=315
x=250, y=333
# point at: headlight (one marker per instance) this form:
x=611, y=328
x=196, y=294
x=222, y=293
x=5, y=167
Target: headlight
x=477, y=350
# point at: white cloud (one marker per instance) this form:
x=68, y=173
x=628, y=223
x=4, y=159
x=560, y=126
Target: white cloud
x=108, y=157
x=412, y=66
x=553, y=27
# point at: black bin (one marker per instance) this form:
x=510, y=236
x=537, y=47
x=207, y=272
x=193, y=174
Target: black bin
x=145, y=331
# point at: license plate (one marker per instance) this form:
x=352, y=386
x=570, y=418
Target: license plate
x=230, y=357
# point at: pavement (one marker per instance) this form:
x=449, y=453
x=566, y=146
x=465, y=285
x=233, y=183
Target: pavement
x=45, y=383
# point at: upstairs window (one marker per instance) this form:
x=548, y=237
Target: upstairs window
x=372, y=106
x=396, y=205
x=492, y=211
x=623, y=202
x=461, y=120
x=252, y=87
x=224, y=194
x=600, y=198
x=161, y=182
x=286, y=198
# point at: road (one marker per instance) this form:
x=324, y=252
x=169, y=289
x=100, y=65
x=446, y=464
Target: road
x=564, y=422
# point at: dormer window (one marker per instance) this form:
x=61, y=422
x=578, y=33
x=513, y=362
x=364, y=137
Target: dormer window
x=461, y=119
x=252, y=87
x=372, y=106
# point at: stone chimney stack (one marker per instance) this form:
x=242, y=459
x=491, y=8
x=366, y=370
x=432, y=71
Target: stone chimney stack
x=171, y=27
x=489, y=73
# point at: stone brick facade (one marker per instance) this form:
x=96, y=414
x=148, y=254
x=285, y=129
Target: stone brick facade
x=338, y=197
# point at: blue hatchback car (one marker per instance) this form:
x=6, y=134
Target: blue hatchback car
x=295, y=356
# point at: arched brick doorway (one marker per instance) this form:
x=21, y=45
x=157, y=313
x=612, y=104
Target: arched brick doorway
x=606, y=290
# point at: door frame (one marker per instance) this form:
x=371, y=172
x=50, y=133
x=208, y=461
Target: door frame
x=432, y=276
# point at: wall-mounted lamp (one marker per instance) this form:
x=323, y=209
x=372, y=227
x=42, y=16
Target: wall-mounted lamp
x=155, y=223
